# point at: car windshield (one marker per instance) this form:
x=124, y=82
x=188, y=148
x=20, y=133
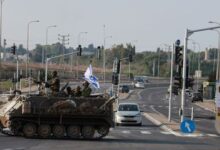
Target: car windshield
x=140, y=80
x=128, y=107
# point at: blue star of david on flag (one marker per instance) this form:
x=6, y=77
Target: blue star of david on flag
x=93, y=80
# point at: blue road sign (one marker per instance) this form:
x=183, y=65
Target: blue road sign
x=188, y=126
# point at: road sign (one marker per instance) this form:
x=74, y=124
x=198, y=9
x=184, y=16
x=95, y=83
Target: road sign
x=188, y=126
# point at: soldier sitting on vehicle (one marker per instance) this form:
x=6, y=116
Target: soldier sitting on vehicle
x=70, y=92
x=78, y=92
x=54, y=84
x=86, y=89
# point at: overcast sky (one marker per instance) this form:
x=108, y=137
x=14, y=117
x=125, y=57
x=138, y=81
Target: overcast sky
x=146, y=23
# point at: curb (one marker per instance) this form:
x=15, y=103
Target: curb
x=166, y=128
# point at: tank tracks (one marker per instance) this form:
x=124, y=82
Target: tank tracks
x=44, y=131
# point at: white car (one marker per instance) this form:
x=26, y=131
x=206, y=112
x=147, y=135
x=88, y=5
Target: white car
x=128, y=113
x=139, y=84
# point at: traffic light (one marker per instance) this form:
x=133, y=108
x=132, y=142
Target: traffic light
x=5, y=42
x=179, y=55
x=118, y=66
x=130, y=57
x=175, y=90
x=178, y=81
x=177, y=84
x=115, y=78
x=13, y=49
x=79, y=50
x=189, y=83
x=99, y=52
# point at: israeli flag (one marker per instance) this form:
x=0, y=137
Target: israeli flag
x=93, y=80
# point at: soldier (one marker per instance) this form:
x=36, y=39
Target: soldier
x=69, y=91
x=55, y=83
x=86, y=90
x=78, y=92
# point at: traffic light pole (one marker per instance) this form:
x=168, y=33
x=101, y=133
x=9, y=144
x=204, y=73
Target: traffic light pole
x=187, y=35
x=171, y=83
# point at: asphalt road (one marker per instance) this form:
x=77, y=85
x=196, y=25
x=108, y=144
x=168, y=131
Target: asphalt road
x=148, y=136
x=156, y=101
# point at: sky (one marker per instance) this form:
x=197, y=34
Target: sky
x=147, y=24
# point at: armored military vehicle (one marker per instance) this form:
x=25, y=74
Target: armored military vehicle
x=57, y=116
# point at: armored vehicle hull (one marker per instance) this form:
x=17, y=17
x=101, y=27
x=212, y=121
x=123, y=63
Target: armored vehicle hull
x=57, y=117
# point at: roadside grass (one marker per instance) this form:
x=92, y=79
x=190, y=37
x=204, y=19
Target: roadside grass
x=6, y=85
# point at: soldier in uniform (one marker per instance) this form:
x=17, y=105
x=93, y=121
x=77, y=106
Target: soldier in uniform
x=78, y=92
x=54, y=84
x=86, y=89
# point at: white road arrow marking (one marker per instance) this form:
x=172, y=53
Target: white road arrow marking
x=187, y=125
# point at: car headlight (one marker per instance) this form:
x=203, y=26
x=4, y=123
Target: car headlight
x=119, y=115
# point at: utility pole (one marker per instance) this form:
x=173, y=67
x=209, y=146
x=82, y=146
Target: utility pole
x=154, y=68
x=4, y=55
x=1, y=29
x=64, y=39
x=158, y=63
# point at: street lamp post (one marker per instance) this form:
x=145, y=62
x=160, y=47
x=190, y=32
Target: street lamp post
x=28, y=56
x=1, y=28
x=104, y=59
x=218, y=54
x=44, y=51
x=27, y=52
x=77, y=59
x=187, y=35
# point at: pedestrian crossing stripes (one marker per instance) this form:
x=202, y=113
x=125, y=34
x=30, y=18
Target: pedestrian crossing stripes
x=147, y=131
x=143, y=131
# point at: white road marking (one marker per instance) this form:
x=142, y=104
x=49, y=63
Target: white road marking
x=126, y=132
x=165, y=132
x=110, y=137
x=145, y=132
x=212, y=135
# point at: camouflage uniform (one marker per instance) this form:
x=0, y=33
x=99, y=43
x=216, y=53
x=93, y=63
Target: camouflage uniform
x=70, y=92
x=86, y=90
x=55, y=84
x=78, y=92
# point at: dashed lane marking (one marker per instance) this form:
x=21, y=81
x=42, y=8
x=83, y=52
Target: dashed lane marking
x=126, y=132
x=145, y=132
